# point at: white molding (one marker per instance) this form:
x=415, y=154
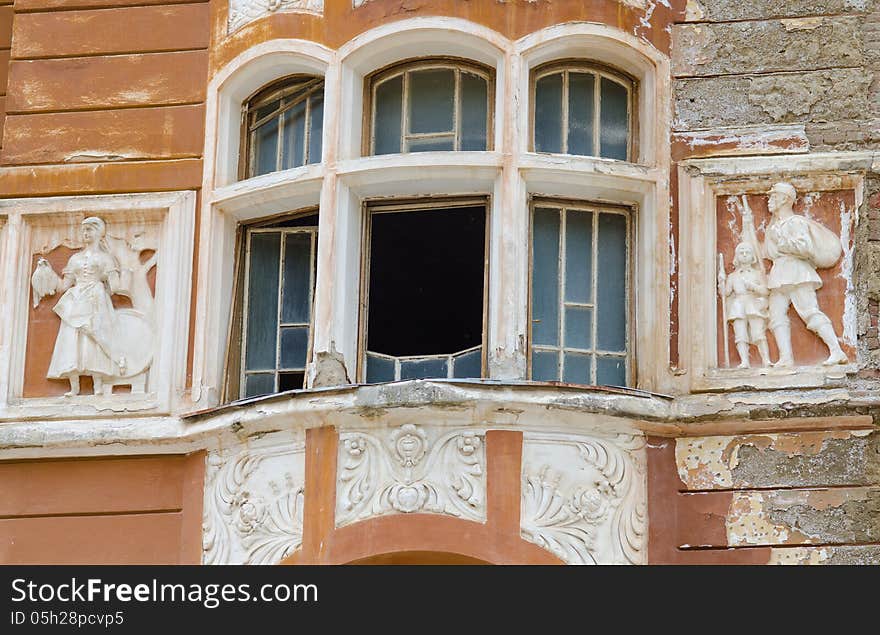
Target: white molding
x=174, y=268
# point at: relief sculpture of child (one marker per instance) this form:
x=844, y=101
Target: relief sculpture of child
x=746, y=293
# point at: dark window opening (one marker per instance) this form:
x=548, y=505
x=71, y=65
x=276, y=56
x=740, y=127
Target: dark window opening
x=426, y=293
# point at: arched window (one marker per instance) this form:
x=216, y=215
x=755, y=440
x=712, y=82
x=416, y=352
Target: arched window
x=282, y=126
x=430, y=104
x=582, y=109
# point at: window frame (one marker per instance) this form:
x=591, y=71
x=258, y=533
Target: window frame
x=630, y=213
x=598, y=70
x=373, y=80
x=274, y=91
x=235, y=372
x=370, y=207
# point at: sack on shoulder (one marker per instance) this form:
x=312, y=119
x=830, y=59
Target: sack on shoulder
x=826, y=245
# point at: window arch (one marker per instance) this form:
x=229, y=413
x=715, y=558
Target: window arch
x=582, y=109
x=430, y=104
x=282, y=125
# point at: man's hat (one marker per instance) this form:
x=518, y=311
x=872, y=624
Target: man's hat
x=784, y=188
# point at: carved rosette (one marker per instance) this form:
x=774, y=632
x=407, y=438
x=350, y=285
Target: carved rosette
x=253, y=505
x=411, y=469
x=242, y=12
x=583, y=498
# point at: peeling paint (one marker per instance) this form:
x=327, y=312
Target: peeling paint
x=748, y=523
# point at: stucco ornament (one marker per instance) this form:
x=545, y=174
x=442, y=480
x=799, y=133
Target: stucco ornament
x=242, y=12
x=583, y=498
x=253, y=505
x=408, y=472
x=113, y=346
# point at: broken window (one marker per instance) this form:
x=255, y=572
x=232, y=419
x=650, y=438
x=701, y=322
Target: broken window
x=425, y=296
x=278, y=280
x=580, y=289
x=582, y=110
x=430, y=105
x=283, y=124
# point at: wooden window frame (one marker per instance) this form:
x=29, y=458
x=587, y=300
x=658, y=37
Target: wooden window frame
x=416, y=205
x=599, y=71
x=234, y=371
x=562, y=205
x=286, y=86
x=372, y=81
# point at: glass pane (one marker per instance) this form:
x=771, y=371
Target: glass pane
x=474, y=112
x=431, y=144
x=293, y=150
x=294, y=346
x=545, y=277
x=578, y=327
x=265, y=111
x=469, y=365
x=614, y=125
x=431, y=100
x=580, y=113
x=423, y=369
x=295, y=305
x=379, y=369
x=577, y=369
x=545, y=365
x=265, y=141
x=610, y=371
x=548, y=114
x=578, y=256
x=316, y=128
x=389, y=104
x=262, y=310
x=291, y=381
x=259, y=384
x=611, y=277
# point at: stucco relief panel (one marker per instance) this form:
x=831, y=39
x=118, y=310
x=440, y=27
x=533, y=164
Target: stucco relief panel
x=584, y=497
x=411, y=468
x=254, y=495
x=242, y=12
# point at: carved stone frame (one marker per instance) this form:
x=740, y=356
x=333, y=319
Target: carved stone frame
x=701, y=181
x=173, y=286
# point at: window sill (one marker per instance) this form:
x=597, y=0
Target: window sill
x=270, y=193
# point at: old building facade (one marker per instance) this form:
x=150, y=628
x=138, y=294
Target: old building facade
x=431, y=281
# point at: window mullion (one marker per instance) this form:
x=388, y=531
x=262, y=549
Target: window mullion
x=282, y=256
x=307, y=130
x=404, y=115
x=565, y=113
x=560, y=325
x=456, y=111
x=595, y=298
x=279, y=150
x=597, y=113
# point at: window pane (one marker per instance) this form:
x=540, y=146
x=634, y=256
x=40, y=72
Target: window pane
x=266, y=148
x=611, y=276
x=614, y=127
x=431, y=144
x=294, y=346
x=293, y=150
x=474, y=112
x=291, y=381
x=259, y=384
x=431, y=100
x=468, y=365
x=545, y=365
x=262, y=311
x=578, y=328
x=580, y=113
x=316, y=127
x=295, y=305
x=578, y=256
x=389, y=100
x=545, y=277
x=577, y=369
x=379, y=369
x=548, y=114
x=610, y=371
x=423, y=369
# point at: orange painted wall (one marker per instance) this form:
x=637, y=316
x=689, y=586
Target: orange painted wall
x=133, y=510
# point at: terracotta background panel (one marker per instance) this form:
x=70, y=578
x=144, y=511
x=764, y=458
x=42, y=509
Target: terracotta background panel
x=105, y=82
x=141, y=133
x=6, y=15
x=4, y=71
x=126, y=30
x=112, y=539
x=825, y=208
x=77, y=486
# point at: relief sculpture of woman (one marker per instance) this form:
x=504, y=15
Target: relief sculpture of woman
x=111, y=345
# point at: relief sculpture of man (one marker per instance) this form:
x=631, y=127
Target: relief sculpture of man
x=797, y=246
x=112, y=346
